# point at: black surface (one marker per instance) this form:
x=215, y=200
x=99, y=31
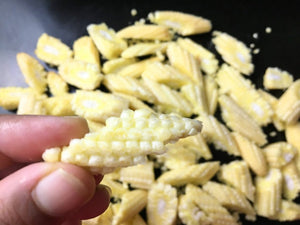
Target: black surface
x=23, y=21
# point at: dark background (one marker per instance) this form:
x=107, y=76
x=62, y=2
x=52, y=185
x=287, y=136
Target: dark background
x=23, y=21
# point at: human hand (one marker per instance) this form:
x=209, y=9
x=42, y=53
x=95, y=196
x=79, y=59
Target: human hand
x=33, y=192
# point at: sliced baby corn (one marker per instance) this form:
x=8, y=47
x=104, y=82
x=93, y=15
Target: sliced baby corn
x=178, y=157
x=57, y=85
x=217, y=133
x=115, y=65
x=278, y=154
x=288, y=106
x=229, y=197
x=132, y=203
x=31, y=104
x=217, y=214
x=185, y=62
x=125, y=140
x=275, y=78
x=165, y=74
x=85, y=50
x=134, y=102
x=196, y=94
x=105, y=218
x=94, y=126
x=268, y=193
x=244, y=93
x=291, y=180
x=138, y=176
x=52, y=50
x=97, y=105
x=136, y=69
x=169, y=100
x=10, y=96
x=193, y=174
x=105, y=39
x=129, y=86
x=234, y=52
x=162, y=204
x=189, y=213
x=145, y=32
x=198, y=145
x=252, y=154
x=240, y=121
x=83, y=75
x=143, y=49
x=289, y=211
x=212, y=93
x=183, y=23
x=208, y=61
x=117, y=188
x=59, y=105
x=33, y=72
x=237, y=175
x=292, y=133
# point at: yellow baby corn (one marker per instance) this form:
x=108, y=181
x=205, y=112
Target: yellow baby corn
x=117, y=189
x=105, y=218
x=145, y=32
x=94, y=126
x=31, y=104
x=244, y=93
x=193, y=174
x=252, y=154
x=292, y=133
x=125, y=140
x=129, y=86
x=178, y=157
x=33, y=72
x=10, y=96
x=134, y=102
x=136, y=69
x=234, y=52
x=212, y=93
x=97, y=105
x=59, y=105
x=198, y=145
x=184, y=62
x=189, y=213
x=57, y=85
x=217, y=214
x=81, y=74
x=218, y=134
x=115, y=65
x=289, y=211
x=165, y=74
x=268, y=193
x=273, y=101
x=169, y=100
x=105, y=39
x=288, y=106
x=196, y=94
x=291, y=180
x=138, y=176
x=278, y=154
x=143, y=49
x=240, y=121
x=275, y=78
x=183, y=23
x=208, y=61
x=52, y=50
x=132, y=203
x=162, y=204
x=229, y=197
x=85, y=50
x=237, y=175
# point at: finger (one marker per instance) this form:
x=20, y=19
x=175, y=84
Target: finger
x=45, y=193
x=24, y=138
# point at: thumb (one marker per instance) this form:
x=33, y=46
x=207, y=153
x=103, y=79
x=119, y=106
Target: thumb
x=44, y=193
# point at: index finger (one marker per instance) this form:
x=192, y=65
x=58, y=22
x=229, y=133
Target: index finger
x=24, y=138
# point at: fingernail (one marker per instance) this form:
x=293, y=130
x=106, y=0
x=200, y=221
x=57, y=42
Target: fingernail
x=106, y=188
x=59, y=193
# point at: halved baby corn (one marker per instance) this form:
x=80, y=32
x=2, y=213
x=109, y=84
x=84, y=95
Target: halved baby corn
x=275, y=78
x=85, y=50
x=125, y=140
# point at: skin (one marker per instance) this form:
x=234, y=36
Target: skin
x=35, y=192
